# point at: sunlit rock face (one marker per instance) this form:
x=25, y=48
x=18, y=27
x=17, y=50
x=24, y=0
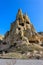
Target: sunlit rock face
x=21, y=31
x=1, y=37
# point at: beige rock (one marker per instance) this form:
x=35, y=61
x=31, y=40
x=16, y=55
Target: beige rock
x=1, y=37
x=22, y=29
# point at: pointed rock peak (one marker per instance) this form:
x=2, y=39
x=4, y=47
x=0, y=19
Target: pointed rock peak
x=19, y=14
x=25, y=16
x=19, y=11
x=22, y=17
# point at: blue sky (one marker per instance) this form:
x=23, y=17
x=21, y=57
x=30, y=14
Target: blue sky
x=9, y=8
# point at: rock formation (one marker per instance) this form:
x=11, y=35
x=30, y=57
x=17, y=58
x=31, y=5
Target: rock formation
x=22, y=31
x=23, y=38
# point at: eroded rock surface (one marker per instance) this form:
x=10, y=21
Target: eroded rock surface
x=23, y=37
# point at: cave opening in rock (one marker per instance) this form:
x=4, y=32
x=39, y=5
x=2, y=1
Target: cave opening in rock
x=4, y=43
x=22, y=24
x=32, y=41
x=19, y=28
x=0, y=52
x=27, y=22
x=15, y=44
x=42, y=44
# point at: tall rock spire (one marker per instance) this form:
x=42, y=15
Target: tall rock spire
x=19, y=14
x=22, y=27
